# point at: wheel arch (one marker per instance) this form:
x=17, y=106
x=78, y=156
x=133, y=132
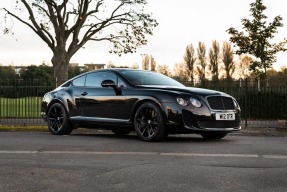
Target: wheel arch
x=152, y=100
x=57, y=101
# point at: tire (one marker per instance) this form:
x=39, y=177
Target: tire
x=149, y=122
x=213, y=135
x=121, y=131
x=57, y=120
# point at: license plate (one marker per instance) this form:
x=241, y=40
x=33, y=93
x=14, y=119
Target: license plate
x=225, y=116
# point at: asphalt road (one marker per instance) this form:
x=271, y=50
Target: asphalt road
x=101, y=161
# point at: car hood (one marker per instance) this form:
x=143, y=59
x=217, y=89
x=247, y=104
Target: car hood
x=188, y=90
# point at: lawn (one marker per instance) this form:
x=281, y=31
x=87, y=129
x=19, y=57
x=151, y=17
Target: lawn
x=27, y=107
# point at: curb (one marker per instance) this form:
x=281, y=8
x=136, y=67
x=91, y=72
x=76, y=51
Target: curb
x=262, y=131
x=247, y=131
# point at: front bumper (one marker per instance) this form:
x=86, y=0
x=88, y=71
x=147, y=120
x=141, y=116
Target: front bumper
x=44, y=116
x=209, y=123
x=197, y=120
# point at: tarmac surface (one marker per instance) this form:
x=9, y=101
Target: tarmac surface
x=97, y=160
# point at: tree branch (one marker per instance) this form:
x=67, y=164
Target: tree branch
x=42, y=8
x=52, y=16
x=36, y=29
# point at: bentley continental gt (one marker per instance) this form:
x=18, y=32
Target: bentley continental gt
x=149, y=103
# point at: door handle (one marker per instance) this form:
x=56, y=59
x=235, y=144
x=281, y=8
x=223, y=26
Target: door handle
x=84, y=94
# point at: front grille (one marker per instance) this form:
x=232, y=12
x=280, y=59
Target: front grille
x=219, y=124
x=221, y=103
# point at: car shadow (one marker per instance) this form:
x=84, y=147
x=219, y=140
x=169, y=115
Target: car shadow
x=181, y=138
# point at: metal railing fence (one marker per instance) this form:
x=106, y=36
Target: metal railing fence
x=20, y=101
x=261, y=105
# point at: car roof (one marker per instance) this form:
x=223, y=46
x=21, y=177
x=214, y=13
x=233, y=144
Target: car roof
x=115, y=70
x=118, y=69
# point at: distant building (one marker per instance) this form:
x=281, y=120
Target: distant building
x=74, y=64
x=82, y=68
x=19, y=70
x=89, y=67
x=92, y=66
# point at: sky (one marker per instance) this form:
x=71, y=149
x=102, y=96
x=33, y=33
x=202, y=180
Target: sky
x=181, y=22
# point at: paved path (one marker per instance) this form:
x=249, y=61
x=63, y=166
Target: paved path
x=100, y=161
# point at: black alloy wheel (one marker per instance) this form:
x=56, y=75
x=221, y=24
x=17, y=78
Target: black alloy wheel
x=213, y=135
x=149, y=123
x=58, y=121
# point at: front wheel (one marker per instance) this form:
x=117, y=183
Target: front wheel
x=57, y=120
x=149, y=123
x=213, y=135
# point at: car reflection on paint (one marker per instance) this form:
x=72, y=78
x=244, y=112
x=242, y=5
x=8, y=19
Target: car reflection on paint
x=152, y=104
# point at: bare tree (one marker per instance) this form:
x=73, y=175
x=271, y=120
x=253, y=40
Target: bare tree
x=146, y=61
x=227, y=59
x=214, y=57
x=181, y=72
x=201, y=68
x=244, y=66
x=152, y=63
x=163, y=69
x=66, y=26
x=111, y=64
x=189, y=59
x=135, y=66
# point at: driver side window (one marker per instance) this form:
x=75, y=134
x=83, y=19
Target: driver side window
x=95, y=79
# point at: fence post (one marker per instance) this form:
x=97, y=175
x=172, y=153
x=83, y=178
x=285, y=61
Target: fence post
x=246, y=94
x=0, y=107
x=0, y=101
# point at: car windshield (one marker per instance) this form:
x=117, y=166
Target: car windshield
x=149, y=78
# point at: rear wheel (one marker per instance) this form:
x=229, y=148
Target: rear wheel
x=213, y=135
x=149, y=123
x=57, y=120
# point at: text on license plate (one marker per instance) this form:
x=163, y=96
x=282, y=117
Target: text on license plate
x=225, y=116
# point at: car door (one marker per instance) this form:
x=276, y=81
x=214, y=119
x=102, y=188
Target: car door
x=103, y=104
x=74, y=104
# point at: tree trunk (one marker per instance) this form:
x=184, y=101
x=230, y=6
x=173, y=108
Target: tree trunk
x=228, y=75
x=60, y=65
x=191, y=77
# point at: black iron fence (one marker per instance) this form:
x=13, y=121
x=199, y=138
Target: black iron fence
x=261, y=104
x=20, y=100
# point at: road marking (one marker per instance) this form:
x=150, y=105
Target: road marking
x=275, y=156
x=210, y=155
x=147, y=154
x=99, y=153
x=19, y=152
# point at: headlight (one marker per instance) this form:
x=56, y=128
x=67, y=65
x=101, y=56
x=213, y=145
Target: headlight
x=195, y=102
x=236, y=104
x=182, y=101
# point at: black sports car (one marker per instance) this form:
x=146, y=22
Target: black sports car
x=150, y=103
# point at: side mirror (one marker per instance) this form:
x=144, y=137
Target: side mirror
x=108, y=83
x=111, y=83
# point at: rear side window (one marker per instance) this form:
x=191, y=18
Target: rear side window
x=96, y=79
x=79, y=82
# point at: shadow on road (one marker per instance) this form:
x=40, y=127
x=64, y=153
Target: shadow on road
x=133, y=137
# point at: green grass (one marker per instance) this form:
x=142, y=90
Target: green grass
x=23, y=128
x=27, y=107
